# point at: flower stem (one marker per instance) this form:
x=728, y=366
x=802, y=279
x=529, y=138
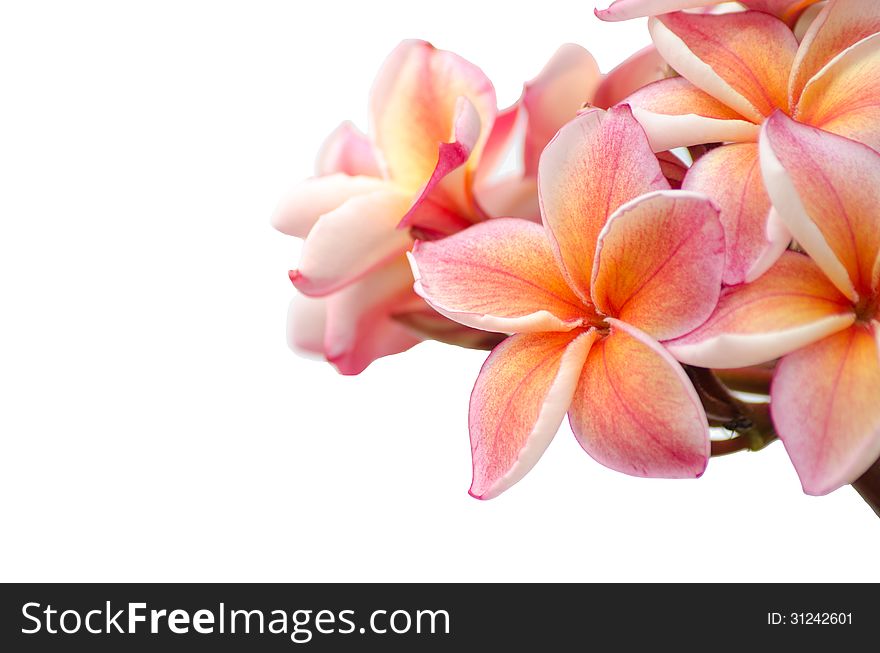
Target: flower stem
x=868, y=485
x=755, y=380
x=750, y=421
x=725, y=447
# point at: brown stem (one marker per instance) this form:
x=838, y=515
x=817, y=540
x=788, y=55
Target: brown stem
x=868, y=485
x=755, y=380
x=755, y=437
x=720, y=406
x=725, y=447
x=751, y=440
x=431, y=325
x=750, y=421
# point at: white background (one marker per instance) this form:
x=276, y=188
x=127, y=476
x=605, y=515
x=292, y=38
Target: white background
x=154, y=424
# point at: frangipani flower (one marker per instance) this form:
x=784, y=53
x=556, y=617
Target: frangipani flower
x=588, y=297
x=820, y=314
x=431, y=115
x=736, y=69
x=428, y=169
x=787, y=10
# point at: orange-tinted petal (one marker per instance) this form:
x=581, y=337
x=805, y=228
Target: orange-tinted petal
x=731, y=175
x=786, y=10
x=659, y=262
x=596, y=162
x=824, y=402
x=518, y=402
x=499, y=275
x=839, y=25
x=449, y=187
x=675, y=113
x=805, y=20
x=414, y=106
x=742, y=59
x=636, y=411
x=844, y=97
x=789, y=307
x=826, y=189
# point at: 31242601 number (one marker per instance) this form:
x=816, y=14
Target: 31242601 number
x=809, y=618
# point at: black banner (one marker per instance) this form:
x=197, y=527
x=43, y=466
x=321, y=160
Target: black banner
x=431, y=617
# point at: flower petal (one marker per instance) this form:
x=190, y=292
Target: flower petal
x=826, y=189
x=518, y=403
x=428, y=219
x=876, y=276
x=731, y=175
x=805, y=20
x=350, y=241
x=674, y=169
x=449, y=185
x=787, y=10
x=627, y=9
x=844, y=97
x=659, y=262
x=825, y=409
x=499, y=275
x=635, y=410
x=675, y=113
x=548, y=101
x=306, y=321
x=512, y=197
x=639, y=70
x=596, y=162
x=789, y=307
x=414, y=106
x=309, y=200
x=554, y=97
x=498, y=145
x=349, y=151
x=839, y=25
x=742, y=59
x=360, y=327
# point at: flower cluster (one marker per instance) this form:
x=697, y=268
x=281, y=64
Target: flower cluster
x=703, y=219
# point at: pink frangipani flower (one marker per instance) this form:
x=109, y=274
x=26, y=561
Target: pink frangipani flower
x=428, y=168
x=820, y=314
x=736, y=70
x=431, y=114
x=620, y=264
